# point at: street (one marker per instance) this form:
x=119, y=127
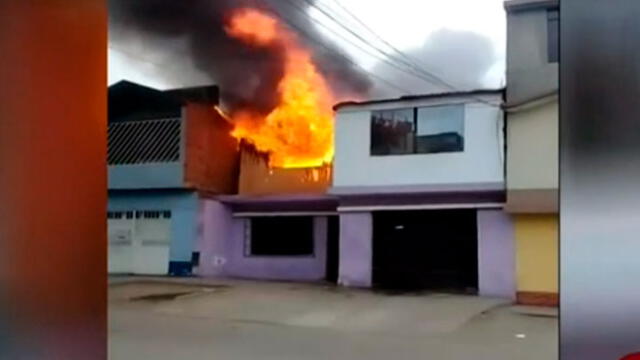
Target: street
x=160, y=319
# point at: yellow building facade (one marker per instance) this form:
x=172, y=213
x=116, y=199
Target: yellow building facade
x=532, y=199
x=537, y=258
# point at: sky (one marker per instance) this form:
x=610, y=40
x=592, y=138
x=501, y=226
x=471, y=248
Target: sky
x=424, y=29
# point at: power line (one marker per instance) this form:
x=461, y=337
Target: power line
x=412, y=61
x=424, y=75
x=326, y=47
x=378, y=57
x=297, y=28
x=430, y=77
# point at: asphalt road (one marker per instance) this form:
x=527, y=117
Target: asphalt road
x=247, y=320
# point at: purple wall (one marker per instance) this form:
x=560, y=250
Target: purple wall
x=216, y=226
x=309, y=268
x=496, y=254
x=221, y=247
x=222, y=250
x=356, y=249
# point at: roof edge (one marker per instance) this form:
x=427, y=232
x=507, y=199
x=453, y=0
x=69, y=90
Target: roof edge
x=531, y=102
x=524, y=5
x=499, y=91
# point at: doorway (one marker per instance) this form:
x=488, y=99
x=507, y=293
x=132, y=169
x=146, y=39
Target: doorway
x=333, y=248
x=426, y=250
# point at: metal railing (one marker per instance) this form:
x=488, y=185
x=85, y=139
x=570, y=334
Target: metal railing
x=143, y=142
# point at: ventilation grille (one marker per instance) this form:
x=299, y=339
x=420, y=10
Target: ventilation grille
x=143, y=142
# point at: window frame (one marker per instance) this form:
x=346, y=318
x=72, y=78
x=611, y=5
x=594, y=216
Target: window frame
x=414, y=110
x=248, y=240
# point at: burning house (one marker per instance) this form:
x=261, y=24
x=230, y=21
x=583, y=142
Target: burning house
x=404, y=192
x=166, y=150
x=280, y=223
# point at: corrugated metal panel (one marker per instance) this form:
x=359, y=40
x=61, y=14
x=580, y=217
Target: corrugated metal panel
x=143, y=142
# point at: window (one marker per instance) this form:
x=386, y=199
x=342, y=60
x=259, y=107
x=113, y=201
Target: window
x=553, y=26
x=280, y=236
x=440, y=129
x=392, y=132
x=426, y=130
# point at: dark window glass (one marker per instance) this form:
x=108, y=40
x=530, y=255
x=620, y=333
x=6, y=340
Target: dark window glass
x=281, y=235
x=392, y=132
x=552, y=36
x=432, y=129
x=440, y=129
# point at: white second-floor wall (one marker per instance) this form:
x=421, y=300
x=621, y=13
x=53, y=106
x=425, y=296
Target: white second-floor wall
x=480, y=162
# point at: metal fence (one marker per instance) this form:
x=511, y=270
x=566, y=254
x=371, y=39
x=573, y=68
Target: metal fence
x=142, y=142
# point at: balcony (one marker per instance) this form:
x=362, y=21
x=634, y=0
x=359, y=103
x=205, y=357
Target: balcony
x=146, y=154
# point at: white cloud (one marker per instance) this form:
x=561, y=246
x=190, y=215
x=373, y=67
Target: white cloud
x=407, y=23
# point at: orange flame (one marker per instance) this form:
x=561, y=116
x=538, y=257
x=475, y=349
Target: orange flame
x=299, y=131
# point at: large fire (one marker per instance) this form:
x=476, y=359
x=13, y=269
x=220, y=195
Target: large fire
x=298, y=132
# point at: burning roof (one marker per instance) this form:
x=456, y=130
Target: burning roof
x=276, y=89
x=298, y=131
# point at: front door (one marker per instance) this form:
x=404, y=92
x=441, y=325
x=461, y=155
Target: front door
x=152, y=242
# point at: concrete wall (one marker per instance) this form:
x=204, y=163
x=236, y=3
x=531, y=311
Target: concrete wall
x=532, y=126
x=496, y=254
x=183, y=206
x=532, y=157
x=146, y=176
x=537, y=253
x=528, y=71
x=208, y=158
x=215, y=225
x=222, y=242
x=532, y=148
x=211, y=156
x=481, y=161
x=356, y=249
x=222, y=250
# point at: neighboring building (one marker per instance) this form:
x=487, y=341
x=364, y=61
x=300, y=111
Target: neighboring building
x=280, y=226
x=532, y=145
x=420, y=185
x=165, y=149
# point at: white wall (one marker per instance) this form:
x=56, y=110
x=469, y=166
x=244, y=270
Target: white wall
x=481, y=161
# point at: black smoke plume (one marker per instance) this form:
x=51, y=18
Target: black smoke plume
x=247, y=76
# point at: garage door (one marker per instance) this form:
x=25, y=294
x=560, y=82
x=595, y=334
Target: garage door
x=139, y=242
x=432, y=249
x=120, y=242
